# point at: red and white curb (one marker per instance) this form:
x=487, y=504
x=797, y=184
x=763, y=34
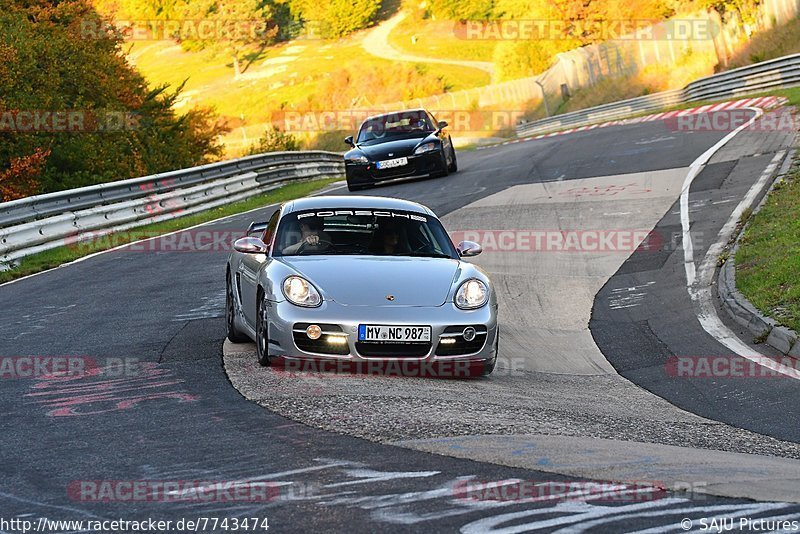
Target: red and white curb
x=764, y=102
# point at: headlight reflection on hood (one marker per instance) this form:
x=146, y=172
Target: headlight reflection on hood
x=300, y=292
x=471, y=294
x=359, y=159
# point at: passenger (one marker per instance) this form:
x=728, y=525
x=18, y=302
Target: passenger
x=386, y=240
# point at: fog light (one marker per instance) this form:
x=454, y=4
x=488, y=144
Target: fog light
x=337, y=340
x=469, y=333
x=313, y=331
x=447, y=340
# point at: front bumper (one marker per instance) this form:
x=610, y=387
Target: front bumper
x=418, y=166
x=287, y=323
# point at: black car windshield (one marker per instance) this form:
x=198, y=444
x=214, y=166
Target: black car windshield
x=362, y=232
x=394, y=126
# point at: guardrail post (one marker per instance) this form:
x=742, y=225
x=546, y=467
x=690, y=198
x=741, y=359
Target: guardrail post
x=544, y=97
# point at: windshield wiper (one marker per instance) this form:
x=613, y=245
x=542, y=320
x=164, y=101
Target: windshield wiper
x=328, y=252
x=427, y=255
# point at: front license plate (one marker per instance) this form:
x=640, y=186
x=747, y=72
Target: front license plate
x=394, y=334
x=389, y=163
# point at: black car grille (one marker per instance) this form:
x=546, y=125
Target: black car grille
x=392, y=350
x=321, y=345
x=462, y=346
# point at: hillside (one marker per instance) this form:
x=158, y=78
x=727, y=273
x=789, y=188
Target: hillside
x=410, y=50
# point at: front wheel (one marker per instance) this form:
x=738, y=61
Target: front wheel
x=234, y=336
x=351, y=187
x=443, y=165
x=262, y=334
x=453, y=167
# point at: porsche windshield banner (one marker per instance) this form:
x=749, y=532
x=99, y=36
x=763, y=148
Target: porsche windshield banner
x=363, y=213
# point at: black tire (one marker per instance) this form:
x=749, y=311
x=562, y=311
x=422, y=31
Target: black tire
x=453, y=167
x=444, y=172
x=262, y=334
x=234, y=336
x=352, y=188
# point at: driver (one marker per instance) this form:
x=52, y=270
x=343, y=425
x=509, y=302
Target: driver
x=312, y=237
x=419, y=124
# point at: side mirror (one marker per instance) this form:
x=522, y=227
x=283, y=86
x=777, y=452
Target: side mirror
x=250, y=245
x=349, y=141
x=468, y=249
x=442, y=125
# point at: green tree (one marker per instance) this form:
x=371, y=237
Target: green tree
x=274, y=140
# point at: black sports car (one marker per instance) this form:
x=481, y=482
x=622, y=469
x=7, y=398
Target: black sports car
x=402, y=144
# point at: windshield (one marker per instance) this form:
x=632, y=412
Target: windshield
x=395, y=126
x=362, y=232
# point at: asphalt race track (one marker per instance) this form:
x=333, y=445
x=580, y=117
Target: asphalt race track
x=580, y=394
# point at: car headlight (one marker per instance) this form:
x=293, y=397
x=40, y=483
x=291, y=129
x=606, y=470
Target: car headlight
x=427, y=147
x=471, y=294
x=359, y=159
x=300, y=292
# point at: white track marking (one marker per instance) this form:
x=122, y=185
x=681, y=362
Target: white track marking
x=579, y=512
x=694, y=170
x=700, y=287
x=260, y=478
x=366, y=476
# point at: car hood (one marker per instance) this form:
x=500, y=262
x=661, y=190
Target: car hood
x=398, y=148
x=368, y=280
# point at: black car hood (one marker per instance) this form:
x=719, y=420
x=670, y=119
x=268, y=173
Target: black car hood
x=396, y=147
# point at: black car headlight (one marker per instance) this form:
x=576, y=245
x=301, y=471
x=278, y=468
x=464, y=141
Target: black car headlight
x=471, y=294
x=300, y=292
x=426, y=147
x=358, y=159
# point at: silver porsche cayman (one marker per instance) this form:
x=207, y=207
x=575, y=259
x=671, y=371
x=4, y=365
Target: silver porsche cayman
x=360, y=279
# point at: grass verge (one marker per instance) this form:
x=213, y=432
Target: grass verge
x=58, y=256
x=768, y=259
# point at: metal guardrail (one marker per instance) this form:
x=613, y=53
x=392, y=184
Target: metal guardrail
x=43, y=222
x=776, y=73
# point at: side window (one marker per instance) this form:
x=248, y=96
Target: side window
x=269, y=231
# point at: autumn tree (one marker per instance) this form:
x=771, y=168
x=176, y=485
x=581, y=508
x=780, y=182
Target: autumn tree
x=240, y=26
x=49, y=65
x=336, y=18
